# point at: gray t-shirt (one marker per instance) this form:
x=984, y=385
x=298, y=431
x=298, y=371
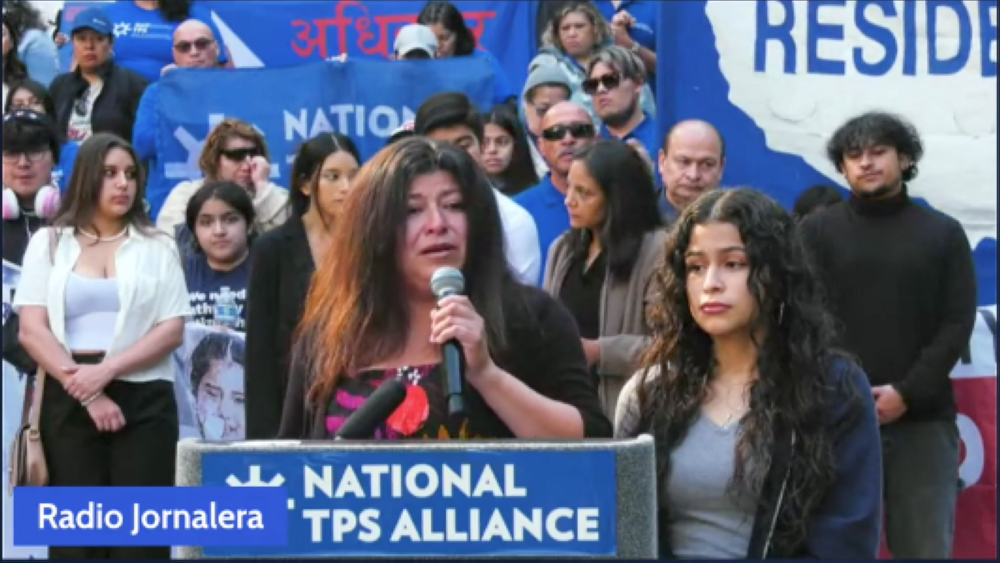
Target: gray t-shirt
x=706, y=521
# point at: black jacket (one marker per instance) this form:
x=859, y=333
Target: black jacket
x=281, y=269
x=115, y=107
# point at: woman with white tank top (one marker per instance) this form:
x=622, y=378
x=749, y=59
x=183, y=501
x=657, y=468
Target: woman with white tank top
x=102, y=304
x=767, y=443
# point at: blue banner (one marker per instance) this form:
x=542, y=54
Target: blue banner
x=121, y=516
x=286, y=33
x=364, y=99
x=777, y=78
x=470, y=503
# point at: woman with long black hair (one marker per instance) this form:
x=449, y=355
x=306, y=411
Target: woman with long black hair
x=33, y=45
x=602, y=267
x=370, y=315
x=767, y=443
x=282, y=267
x=13, y=68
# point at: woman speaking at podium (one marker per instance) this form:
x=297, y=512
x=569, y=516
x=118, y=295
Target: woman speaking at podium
x=370, y=315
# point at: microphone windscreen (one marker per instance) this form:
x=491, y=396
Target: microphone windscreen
x=447, y=281
x=376, y=409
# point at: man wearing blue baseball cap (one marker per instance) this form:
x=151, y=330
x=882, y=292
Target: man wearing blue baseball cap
x=97, y=95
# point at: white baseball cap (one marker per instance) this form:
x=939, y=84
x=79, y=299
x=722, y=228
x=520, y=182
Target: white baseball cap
x=415, y=37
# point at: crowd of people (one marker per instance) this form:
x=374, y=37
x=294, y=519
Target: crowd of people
x=793, y=367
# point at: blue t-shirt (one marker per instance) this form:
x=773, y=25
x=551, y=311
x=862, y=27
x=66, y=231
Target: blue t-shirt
x=644, y=12
x=144, y=41
x=502, y=90
x=61, y=172
x=204, y=285
x=648, y=134
x=548, y=208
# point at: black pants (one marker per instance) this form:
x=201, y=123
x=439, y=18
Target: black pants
x=920, y=464
x=142, y=454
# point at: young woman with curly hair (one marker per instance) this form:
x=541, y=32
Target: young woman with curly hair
x=767, y=443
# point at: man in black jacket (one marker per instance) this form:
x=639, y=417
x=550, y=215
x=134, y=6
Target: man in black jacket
x=902, y=283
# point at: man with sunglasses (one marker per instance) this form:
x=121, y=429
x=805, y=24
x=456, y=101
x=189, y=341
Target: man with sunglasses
x=195, y=46
x=566, y=127
x=546, y=86
x=615, y=80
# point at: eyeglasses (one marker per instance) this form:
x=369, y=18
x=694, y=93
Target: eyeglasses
x=239, y=155
x=10, y=157
x=577, y=130
x=200, y=44
x=609, y=81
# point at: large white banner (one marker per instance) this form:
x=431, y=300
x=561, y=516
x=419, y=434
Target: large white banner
x=208, y=385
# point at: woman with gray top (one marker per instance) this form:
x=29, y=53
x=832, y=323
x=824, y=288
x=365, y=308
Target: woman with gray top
x=767, y=443
x=601, y=269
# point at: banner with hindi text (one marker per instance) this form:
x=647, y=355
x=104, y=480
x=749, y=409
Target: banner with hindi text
x=271, y=33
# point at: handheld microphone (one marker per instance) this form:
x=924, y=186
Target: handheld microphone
x=444, y=282
x=378, y=407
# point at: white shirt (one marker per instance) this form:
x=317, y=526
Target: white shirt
x=81, y=127
x=541, y=167
x=521, y=245
x=151, y=289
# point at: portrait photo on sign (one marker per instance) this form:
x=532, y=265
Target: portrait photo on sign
x=209, y=384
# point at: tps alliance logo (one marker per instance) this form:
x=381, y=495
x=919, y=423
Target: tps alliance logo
x=255, y=480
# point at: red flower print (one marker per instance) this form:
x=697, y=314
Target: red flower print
x=410, y=415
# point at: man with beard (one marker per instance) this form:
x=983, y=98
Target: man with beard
x=691, y=162
x=902, y=285
x=615, y=79
x=566, y=126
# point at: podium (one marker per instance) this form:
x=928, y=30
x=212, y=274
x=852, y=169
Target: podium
x=442, y=499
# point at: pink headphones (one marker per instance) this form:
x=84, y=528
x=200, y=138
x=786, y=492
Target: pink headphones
x=46, y=203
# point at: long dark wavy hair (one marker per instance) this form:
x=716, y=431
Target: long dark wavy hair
x=794, y=351
x=13, y=67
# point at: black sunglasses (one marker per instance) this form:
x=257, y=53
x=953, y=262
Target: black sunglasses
x=201, y=44
x=26, y=114
x=609, y=81
x=239, y=155
x=577, y=130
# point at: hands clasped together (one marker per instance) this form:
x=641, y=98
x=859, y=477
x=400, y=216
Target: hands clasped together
x=86, y=384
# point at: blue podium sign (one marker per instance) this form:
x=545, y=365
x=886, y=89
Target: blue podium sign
x=447, y=503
